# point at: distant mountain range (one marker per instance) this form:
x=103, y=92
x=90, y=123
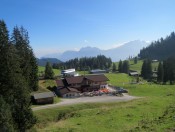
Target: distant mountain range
x=131, y=48
x=43, y=61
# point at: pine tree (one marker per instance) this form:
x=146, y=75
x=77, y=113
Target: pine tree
x=6, y=121
x=120, y=66
x=28, y=62
x=160, y=72
x=149, y=69
x=33, y=82
x=114, y=68
x=4, y=90
x=13, y=85
x=165, y=73
x=22, y=113
x=144, y=69
x=126, y=67
x=171, y=69
x=160, y=49
x=135, y=60
x=49, y=74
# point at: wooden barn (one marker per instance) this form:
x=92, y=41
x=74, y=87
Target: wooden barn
x=43, y=98
x=81, y=84
x=68, y=92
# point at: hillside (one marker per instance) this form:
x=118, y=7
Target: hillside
x=147, y=113
x=160, y=49
x=138, y=66
x=43, y=61
x=41, y=70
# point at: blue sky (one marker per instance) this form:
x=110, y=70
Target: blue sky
x=58, y=25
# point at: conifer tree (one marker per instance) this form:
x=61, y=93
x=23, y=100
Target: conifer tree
x=120, y=66
x=6, y=121
x=149, y=69
x=13, y=85
x=114, y=68
x=49, y=74
x=135, y=60
x=33, y=82
x=28, y=62
x=171, y=69
x=160, y=72
x=160, y=49
x=4, y=90
x=165, y=73
x=125, y=67
x=146, y=71
x=21, y=111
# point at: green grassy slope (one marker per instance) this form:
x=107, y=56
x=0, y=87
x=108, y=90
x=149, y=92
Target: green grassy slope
x=126, y=116
x=119, y=79
x=154, y=111
x=138, y=115
x=138, y=66
x=42, y=68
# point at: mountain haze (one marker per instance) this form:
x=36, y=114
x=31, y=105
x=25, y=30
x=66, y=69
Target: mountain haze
x=131, y=48
x=43, y=61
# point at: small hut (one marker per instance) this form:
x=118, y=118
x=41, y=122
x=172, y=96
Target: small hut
x=43, y=98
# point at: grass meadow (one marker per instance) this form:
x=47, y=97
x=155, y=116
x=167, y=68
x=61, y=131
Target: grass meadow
x=153, y=111
x=137, y=67
x=41, y=70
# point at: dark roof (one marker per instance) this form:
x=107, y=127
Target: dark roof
x=97, y=78
x=43, y=95
x=60, y=83
x=79, y=79
x=66, y=90
x=63, y=91
x=73, y=80
x=73, y=90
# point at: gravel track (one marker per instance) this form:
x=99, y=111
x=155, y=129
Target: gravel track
x=94, y=99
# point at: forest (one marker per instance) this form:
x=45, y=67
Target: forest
x=86, y=63
x=160, y=49
x=18, y=78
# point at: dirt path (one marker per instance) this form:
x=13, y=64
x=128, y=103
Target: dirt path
x=95, y=99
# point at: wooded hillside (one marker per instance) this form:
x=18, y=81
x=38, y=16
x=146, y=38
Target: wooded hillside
x=86, y=63
x=160, y=49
